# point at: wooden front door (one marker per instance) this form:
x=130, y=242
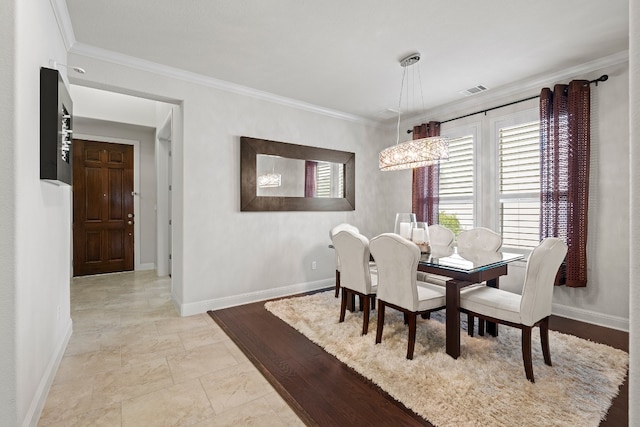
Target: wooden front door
x=102, y=207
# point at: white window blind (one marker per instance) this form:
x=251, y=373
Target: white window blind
x=456, y=185
x=519, y=185
x=329, y=180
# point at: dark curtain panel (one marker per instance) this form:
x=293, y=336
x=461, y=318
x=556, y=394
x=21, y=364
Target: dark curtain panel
x=310, y=170
x=564, y=174
x=426, y=180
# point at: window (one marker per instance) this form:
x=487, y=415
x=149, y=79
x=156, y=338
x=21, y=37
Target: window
x=492, y=176
x=456, y=185
x=330, y=180
x=519, y=184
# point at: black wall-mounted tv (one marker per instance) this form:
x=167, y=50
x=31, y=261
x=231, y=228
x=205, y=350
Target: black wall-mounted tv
x=56, y=128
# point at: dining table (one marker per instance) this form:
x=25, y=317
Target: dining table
x=464, y=268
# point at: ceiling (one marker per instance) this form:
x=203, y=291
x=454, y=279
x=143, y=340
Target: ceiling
x=343, y=55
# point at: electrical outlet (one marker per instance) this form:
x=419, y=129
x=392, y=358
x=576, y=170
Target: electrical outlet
x=313, y=265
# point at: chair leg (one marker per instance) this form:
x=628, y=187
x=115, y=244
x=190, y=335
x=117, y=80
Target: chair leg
x=412, y=335
x=365, y=315
x=337, y=283
x=470, y=324
x=361, y=305
x=544, y=338
x=380, y=321
x=526, y=352
x=343, y=304
x=406, y=318
x=426, y=315
x=481, y=327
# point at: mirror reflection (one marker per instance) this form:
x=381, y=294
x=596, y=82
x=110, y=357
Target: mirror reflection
x=284, y=177
x=269, y=169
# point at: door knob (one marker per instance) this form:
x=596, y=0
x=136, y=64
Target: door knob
x=130, y=222
x=129, y=215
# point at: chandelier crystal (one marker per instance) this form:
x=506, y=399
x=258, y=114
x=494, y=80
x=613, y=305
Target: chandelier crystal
x=418, y=152
x=414, y=154
x=270, y=180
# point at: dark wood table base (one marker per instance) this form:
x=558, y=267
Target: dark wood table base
x=459, y=281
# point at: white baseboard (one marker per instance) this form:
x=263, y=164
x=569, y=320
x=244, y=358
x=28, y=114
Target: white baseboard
x=234, y=300
x=189, y=309
x=146, y=266
x=37, y=404
x=606, y=320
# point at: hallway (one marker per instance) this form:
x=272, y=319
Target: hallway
x=132, y=361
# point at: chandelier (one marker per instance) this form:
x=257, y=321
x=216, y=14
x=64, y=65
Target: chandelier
x=418, y=152
x=270, y=180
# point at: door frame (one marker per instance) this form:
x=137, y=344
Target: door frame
x=164, y=234
x=136, y=190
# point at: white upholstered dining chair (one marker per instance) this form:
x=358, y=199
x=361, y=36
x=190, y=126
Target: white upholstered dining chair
x=397, y=261
x=355, y=274
x=440, y=235
x=441, y=241
x=479, y=239
x=335, y=230
x=471, y=242
x=525, y=311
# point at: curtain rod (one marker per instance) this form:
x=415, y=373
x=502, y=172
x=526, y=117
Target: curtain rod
x=602, y=78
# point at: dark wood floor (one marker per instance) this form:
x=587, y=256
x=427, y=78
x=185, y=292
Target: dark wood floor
x=325, y=392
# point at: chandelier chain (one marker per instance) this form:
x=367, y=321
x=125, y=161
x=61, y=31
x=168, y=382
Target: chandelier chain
x=418, y=152
x=404, y=73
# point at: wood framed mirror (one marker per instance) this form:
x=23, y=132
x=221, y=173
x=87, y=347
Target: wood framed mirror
x=278, y=176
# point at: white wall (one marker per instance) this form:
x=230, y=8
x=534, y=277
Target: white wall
x=223, y=256
x=115, y=107
x=41, y=220
x=8, y=385
x=634, y=235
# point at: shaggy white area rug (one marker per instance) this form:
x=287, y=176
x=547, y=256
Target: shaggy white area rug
x=485, y=386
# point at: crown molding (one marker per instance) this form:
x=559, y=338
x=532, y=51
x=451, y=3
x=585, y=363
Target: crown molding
x=199, y=79
x=64, y=22
x=511, y=90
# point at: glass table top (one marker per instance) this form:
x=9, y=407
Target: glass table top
x=466, y=262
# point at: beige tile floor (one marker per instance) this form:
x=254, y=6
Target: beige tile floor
x=133, y=361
